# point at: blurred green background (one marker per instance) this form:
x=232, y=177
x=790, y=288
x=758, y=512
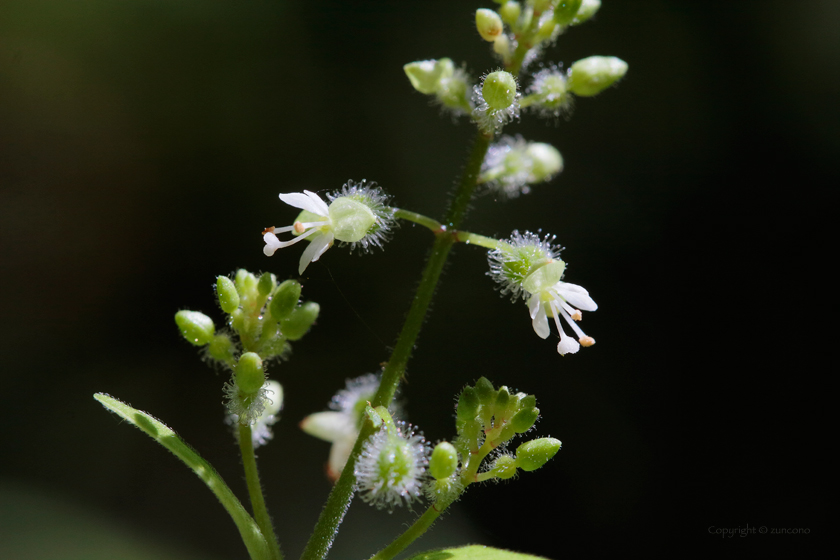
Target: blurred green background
x=142, y=147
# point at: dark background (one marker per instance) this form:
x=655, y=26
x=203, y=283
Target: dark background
x=142, y=147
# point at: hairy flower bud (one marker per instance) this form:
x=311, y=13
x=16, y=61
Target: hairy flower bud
x=504, y=467
x=298, y=322
x=590, y=76
x=391, y=468
x=499, y=89
x=444, y=461
x=533, y=454
x=285, y=299
x=249, y=373
x=195, y=327
x=489, y=24
x=566, y=10
x=227, y=294
x=510, y=11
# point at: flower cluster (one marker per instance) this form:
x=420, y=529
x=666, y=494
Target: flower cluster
x=512, y=165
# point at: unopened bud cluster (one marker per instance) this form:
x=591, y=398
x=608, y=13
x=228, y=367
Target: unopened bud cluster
x=262, y=317
x=449, y=85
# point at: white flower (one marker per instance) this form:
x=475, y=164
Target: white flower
x=357, y=214
x=529, y=266
x=340, y=426
x=566, y=300
x=320, y=229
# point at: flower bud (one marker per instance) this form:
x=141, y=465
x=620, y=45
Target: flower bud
x=546, y=161
x=566, y=10
x=485, y=391
x=245, y=282
x=426, y=75
x=499, y=90
x=489, y=24
x=196, y=327
x=444, y=461
x=285, y=299
x=510, y=12
x=300, y=320
x=266, y=283
x=467, y=406
x=249, y=373
x=221, y=348
x=523, y=420
x=590, y=76
x=227, y=294
x=504, y=467
x=533, y=454
x=453, y=92
x=586, y=11
x=351, y=219
x=502, y=398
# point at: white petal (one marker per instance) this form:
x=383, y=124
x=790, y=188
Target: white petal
x=577, y=296
x=339, y=453
x=540, y=323
x=534, y=305
x=305, y=202
x=567, y=345
x=324, y=208
x=328, y=426
x=319, y=244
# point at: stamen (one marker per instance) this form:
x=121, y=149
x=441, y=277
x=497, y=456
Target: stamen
x=573, y=324
x=587, y=341
x=298, y=238
x=553, y=305
x=299, y=227
x=269, y=229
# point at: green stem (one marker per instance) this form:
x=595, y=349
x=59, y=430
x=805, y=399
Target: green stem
x=339, y=499
x=252, y=478
x=475, y=239
x=425, y=221
x=418, y=528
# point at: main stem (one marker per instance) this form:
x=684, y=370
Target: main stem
x=339, y=499
x=252, y=478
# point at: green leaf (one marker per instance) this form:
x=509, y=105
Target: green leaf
x=164, y=435
x=473, y=552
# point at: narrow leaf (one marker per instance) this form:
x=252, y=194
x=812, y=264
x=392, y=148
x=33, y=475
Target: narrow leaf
x=164, y=435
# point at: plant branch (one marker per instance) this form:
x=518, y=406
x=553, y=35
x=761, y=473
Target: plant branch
x=252, y=478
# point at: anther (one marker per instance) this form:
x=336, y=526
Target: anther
x=586, y=341
x=299, y=227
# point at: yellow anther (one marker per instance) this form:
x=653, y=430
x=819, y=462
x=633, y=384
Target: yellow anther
x=587, y=341
x=299, y=227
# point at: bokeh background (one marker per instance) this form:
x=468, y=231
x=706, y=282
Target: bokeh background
x=142, y=147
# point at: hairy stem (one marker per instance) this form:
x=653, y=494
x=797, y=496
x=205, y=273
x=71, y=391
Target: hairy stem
x=339, y=499
x=252, y=478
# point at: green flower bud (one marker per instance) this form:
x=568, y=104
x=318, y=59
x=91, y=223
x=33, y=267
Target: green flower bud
x=300, y=320
x=444, y=461
x=546, y=161
x=227, y=294
x=470, y=436
x=453, y=92
x=543, y=5
x=245, y=282
x=446, y=490
x=510, y=12
x=544, y=277
x=533, y=454
x=545, y=31
x=504, y=467
x=351, y=219
x=499, y=90
x=467, y=406
x=221, y=348
x=586, y=11
x=285, y=299
x=426, y=75
x=488, y=23
x=590, y=76
x=249, y=373
x=523, y=420
x=485, y=391
x=528, y=401
x=196, y=327
x=266, y=283
x=566, y=10
x=502, y=398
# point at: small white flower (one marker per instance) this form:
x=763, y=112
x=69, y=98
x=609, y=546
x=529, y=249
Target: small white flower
x=320, y=229
x=340, y=426
x=356, y=215
x=566, y=300
x=529, y=266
